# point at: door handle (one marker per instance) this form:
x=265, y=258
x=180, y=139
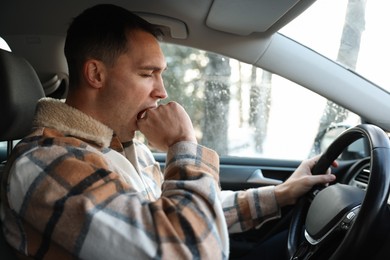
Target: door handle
x=258, y=177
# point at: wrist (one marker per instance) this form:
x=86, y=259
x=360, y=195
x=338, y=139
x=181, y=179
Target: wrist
x=283, y=196
x=184, y=139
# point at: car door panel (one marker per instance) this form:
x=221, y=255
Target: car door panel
x=243, y=173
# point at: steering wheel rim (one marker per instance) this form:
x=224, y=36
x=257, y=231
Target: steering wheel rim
x=373, y=207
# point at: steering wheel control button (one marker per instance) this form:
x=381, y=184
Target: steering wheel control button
x=349, y=218
x=351, y=215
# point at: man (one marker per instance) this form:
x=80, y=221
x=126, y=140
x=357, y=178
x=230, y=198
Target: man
x=80, y=185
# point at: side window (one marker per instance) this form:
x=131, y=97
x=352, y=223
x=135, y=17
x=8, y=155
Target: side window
x=241, y=110
x=3, y=145
x=4, y=45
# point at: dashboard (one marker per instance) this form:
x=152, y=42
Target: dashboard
x=359, y=174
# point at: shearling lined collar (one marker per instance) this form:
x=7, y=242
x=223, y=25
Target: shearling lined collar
x=56, y=114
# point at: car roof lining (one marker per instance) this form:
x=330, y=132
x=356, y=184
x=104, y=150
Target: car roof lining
x=229, y=16
x=47, y=22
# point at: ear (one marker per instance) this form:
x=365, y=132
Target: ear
x=94, y=73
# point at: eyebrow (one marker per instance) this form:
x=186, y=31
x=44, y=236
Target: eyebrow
x=147, y=67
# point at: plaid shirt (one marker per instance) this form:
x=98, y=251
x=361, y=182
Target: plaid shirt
x=72, y=190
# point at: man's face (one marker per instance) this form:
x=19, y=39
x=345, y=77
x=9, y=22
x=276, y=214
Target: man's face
x=134, y=84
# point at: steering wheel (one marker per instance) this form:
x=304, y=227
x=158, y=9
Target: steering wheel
x=341, y=220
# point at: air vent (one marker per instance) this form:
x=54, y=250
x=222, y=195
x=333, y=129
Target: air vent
x=364, y=175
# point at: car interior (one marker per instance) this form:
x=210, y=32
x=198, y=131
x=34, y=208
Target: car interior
x=340, y=223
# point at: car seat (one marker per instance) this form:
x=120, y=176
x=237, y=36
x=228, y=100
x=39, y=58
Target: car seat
x=20, y=89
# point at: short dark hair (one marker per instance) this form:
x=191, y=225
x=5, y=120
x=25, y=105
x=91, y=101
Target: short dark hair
x=99, y=32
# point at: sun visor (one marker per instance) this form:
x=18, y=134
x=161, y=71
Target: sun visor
x=244, y=17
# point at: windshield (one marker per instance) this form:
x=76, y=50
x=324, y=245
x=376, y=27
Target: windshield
x=351, y=32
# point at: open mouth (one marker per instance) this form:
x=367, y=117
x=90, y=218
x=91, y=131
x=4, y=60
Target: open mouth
x=141, y=114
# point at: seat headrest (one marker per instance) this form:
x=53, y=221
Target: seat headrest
x=20, y=89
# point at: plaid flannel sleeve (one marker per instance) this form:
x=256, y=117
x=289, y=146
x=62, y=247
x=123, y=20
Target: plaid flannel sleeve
x=65, y=201
x=249, y=208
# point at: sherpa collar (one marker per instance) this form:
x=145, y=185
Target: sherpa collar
x=54, y=113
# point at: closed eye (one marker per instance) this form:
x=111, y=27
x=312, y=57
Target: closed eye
x=148, y=71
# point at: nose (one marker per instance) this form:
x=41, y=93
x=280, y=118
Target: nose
x=159, y=90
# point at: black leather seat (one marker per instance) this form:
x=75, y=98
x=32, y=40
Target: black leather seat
x=20, y=90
